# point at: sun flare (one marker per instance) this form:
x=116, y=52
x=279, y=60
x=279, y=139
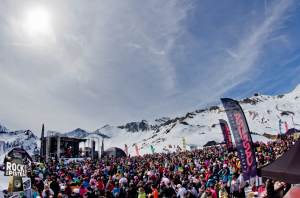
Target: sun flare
x=38, y=20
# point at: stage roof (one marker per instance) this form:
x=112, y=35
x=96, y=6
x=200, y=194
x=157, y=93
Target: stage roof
x=71, y=139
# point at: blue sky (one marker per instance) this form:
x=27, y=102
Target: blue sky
x=73, y=64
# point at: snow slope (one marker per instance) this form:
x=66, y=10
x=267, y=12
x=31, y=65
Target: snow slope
x=262, y=112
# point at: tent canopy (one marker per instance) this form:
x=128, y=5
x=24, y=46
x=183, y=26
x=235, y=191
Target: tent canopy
x=285, y=168
x=18, y=153
x=114, y=152
x=291, y=131
x=211, y=143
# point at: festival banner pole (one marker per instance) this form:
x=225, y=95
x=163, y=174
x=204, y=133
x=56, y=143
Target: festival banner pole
x=242, y=136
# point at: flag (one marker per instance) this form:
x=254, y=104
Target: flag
x=294, y=124
x=42, y=138
x=191, y=147
x=286, y=126
x=184, y=145
x=170, y=146
x=242, y=136
x=280, y=126
x=126, y=149
x=195, y=147
x=152, y=149
x=226, y=134
x=137, y=150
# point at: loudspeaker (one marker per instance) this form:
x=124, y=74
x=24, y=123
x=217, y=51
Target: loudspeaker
x=15, y=184
x=93, y=145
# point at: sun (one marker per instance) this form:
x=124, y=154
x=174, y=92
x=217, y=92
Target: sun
x=38, y=20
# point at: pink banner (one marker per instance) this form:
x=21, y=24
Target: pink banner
x=286, y=126
x=126, y=150
x=137, y=150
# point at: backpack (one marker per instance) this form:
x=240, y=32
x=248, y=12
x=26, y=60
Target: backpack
x=98, y=192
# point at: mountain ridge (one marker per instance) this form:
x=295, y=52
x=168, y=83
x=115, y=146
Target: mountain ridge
x=262, y=112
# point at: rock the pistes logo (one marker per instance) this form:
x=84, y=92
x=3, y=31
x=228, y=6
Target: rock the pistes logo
x=13, y=169
x=245, y=138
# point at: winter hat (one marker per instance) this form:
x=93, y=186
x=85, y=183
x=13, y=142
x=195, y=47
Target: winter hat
x=62, y=188
x=76, y=190
x=162, y=182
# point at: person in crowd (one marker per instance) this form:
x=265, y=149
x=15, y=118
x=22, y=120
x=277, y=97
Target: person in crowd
x=222, y=192
x=82, y=189
x=201, y=191
x=207, y=193
x=47, y=191
x=270, y=189
x=181, y=173
x=154, y=191
x=142, y=193
x=55, y=187
x=35, y=192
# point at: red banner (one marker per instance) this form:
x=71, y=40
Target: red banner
x=286, y=126
x=137, y=150
x=226, y=134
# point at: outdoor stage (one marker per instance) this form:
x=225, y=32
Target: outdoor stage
x=55, y=146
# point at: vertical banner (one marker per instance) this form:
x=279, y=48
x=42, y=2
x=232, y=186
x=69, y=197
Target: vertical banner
x=137, y=151
x=152, y=149
x=184, y=145
x=280, y=126
x=102, y=148
x=226, y=134
x=126, y=149
x=294, y=124
x=241, y=134
x=286, y=126
x=42, y=138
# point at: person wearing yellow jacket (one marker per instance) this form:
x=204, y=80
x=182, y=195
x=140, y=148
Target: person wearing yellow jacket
x=142, y=193
x=238, y=163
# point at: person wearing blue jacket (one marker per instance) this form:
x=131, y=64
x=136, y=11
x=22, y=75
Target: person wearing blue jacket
x=225, y=173
x=116, y=189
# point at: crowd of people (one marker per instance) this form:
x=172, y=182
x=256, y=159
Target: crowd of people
x=203, y=173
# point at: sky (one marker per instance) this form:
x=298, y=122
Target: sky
x=84, y=64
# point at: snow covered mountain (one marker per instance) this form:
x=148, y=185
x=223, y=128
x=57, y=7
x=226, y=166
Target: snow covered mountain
x=22, y=138
x=3, y=128
x=262, y=112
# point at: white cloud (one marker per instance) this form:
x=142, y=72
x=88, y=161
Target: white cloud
x=134, y=45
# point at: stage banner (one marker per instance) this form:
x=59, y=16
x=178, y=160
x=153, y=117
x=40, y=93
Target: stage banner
x=184, y=145
x=152, y=149
x=286, y=126
x=242, y=136
x=226, y=134
x=126, y=149
x=280, y=126
x=137, y=150
x=294, y=124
